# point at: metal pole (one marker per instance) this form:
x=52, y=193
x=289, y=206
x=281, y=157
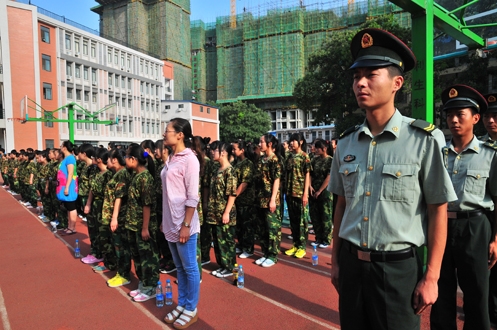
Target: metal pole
x=70, y=118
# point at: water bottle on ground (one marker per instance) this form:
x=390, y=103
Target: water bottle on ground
x=169, y=293
x=241, y=278
x=77, y=251
x=235, y=274
x=315, y=256
x=159, y=297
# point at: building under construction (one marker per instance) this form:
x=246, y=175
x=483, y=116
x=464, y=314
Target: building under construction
x=160, y=28
x=265, y=53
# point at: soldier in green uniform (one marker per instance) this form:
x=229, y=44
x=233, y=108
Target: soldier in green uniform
x=267, y=183
x=42, y=183
x=112, y=232
x=471, y=248
x=297, y=168
x=320, y=203
x=245, y=211
x=210, y=168
x=93, y=207
x=30, y=180
x=11, y=169
x=86, y=173
x=221, y=211
x=392, y=190
x=141, y=222
x=21, y=174
x=52, y=209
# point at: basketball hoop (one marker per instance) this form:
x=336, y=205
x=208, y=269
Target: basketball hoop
x=21, y=120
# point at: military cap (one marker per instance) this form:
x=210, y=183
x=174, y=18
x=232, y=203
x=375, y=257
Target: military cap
x=462, y=96
x=492, y=102
x=378, y=48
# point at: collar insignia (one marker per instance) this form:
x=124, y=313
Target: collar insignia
x=366, y=41
x=491, y=98
x=348, y=158
x=453, y=93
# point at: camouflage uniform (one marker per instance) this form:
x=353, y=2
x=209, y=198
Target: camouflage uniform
x=21, y=178
x=223, y=185
x=3, y=165
x=210, y=168
x=163, y=245
x=297, y=165
x=145, y=254
x=87, y=175
x=269, y=224
x=245, y=211
x=97, y=188
x=321, y=208
x=52, y=208
x=114, y=245
x=41, y=184
x=31, y=196
x=15, y=181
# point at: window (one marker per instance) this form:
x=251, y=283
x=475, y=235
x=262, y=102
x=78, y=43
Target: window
x=76, y=45
x=93, y=50
x=69, y=69
x=141, y=66
x=94, y=76
x=142, y=106
x=147, y=88
x=49, y=143
x=181, y=106
x=129, y=83
x=141, y=87
x=85, y=47
x=148, y=107
x=87, y=125
x=45, y=34
x=77, y=71
x=153, y=129
x=87, y=96
x=69, y=93
x=109, y=57
x=46, y=62
x=201, y=109
x=122, y=61
x=129, y=103
x=94, y=97
x=85, y=73
x=123, y=103
x=129, y=63
x=68, y=42
x=47, y=91
x=123, y=82
x=208, y=110
x=146, y=68
x=116, y=58
x=78, y=94
x=48, y=115
x=148, y=128
x=116, y=78
x=143, y=127
x=79, y=125
x=157, y=90
x=110, y=79
x=130, y=124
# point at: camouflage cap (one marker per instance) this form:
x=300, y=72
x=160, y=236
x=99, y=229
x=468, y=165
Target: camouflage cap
x=462, y=96
x=379, y=48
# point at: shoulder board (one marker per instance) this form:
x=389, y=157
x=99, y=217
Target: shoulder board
x=424, y=125
x=349, y=130
x=491, y=144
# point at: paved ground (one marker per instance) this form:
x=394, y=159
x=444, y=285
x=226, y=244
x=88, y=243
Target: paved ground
x=42, y=286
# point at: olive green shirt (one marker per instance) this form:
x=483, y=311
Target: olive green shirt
x=387, y=181
x=474, y=175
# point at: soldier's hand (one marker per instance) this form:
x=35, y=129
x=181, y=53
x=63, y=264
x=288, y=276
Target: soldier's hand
x=334, y=277
x=226, y=218
x=425, y=294
x=113, y=225
x=492, y=254
x=145, y=234
x=305, y=200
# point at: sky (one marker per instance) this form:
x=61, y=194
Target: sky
x=206, y=10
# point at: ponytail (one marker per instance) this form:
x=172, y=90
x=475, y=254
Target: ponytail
x=143, y=158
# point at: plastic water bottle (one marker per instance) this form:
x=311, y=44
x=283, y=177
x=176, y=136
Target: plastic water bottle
x=159, y=297
x=241, y=278
x=169, y=293
x=235, y=274
x=77, y=251
x=315, y=257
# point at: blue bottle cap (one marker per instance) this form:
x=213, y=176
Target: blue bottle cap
x=168, y=281
x=159, y=283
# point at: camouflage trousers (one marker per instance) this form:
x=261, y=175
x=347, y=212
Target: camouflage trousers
x=166, y=258
x=224, y=245
x=269, y=229
x=122, y=251
x=321, y=210
x=298, y=221
x=107, y=246
x=45, y=200
x=49, y=208
x=145, y=255
x=62, y=214
x=245, y=227
x=93, y=221
x=205, y=241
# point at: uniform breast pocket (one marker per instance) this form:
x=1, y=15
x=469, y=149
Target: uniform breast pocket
x=476, y=180
x=398, y=182
x=349, y=174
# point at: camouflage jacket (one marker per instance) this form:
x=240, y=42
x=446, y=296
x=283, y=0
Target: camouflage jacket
x=31, y=168
x=297, y=166
x=22, y=168
x=98, y=184
x=86, y=175
x=117, y=187
x=320, y=169
x=223, y=185
x=141, y=193
x=43, y=176
x=244, y=172
x=268, y=170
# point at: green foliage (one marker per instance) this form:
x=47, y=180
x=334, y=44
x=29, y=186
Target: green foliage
x=242, y=121
x=327, y=84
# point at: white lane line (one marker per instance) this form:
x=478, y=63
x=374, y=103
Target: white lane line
x=3, y=311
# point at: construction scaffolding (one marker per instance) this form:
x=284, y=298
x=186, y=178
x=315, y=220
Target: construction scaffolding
x=266, y=53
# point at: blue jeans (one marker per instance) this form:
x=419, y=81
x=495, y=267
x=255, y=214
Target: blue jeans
x=185, y=259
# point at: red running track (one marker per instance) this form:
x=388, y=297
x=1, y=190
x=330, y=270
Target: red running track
x=42, y=286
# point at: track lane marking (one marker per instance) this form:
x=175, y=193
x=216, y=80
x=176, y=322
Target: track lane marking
x=3, y=311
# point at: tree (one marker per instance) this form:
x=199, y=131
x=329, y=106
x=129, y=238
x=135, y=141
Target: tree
x=242, y=121
x=327, y=84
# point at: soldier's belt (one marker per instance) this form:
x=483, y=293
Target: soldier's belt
x=465, y=214
x=382, y=256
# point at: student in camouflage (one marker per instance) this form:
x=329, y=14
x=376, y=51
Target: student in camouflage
x=31, y=178
x=221, y=211
x=112, y=231
x=297, y=167
x=141, y=223
x=42, y=182
x=94, y=206
x=267, y=183
x=210, y=169
x=245, y=192
x=53, y=207
x=21, y=173
x=320, y=203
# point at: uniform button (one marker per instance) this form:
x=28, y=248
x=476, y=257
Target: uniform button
x=368, y=193
x=365, y=218
x=373, y=143
x=478, y=176
x=346, y=172
x=455, y=172
x=458, y=157
x=370, y=168
x=364, y=244
x=398, y=174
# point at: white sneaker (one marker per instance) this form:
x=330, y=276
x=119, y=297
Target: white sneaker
x=323, y=245
x=316, y=243
x=84, y=219
x=268, y=263
x=80, y=216
x=290, y=237
x=216, y=271
x=245, y=255
x=260, y=261
x=28, y=204
x=238, y=250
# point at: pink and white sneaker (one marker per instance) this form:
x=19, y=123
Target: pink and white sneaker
x=141, y=297
x=90, y=259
